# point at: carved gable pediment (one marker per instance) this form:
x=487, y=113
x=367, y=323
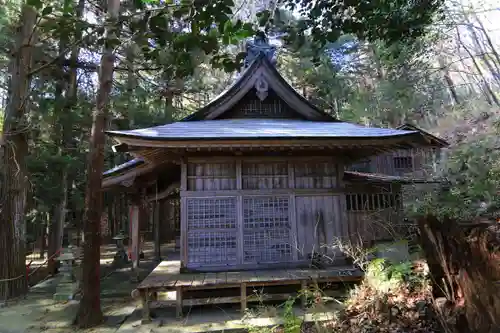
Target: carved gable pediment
x=252, y=106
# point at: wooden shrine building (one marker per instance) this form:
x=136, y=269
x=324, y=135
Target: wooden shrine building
x=260, y=174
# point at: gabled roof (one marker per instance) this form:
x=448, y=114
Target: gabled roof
x=434, y=140
x=260, y=69
x=236, y=129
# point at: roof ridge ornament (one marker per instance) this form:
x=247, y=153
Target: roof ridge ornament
x=258, y=45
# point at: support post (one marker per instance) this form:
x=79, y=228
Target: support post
x=146, y=312
x=178, y=302
x=156, y=225
x=183, y=238
x=243, y=296
x=134, y=236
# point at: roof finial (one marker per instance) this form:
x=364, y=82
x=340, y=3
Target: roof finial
x=257, y=46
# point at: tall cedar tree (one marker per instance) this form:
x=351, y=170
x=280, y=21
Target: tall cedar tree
x=15, y=150
x=90, y=313
x=64, y=135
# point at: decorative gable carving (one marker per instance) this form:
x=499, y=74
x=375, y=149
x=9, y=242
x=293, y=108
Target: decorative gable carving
x=252, y=106
x=261, y=87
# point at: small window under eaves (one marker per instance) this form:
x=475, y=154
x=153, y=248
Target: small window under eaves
x=403, y=163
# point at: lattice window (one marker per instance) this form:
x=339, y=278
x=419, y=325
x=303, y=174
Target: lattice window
x=315, y=175
x=264, y=175
x=211, y=176
x=211, y=213
x=266, y=230
x=403, y=163
x=211, y=231
x=271, y=107
x=212, y=247
x=371, y=202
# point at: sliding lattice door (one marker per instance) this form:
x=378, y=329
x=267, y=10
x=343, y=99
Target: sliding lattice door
x=211, y=232
x=266, y=230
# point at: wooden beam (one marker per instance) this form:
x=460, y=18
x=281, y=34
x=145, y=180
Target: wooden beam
x=263, y=192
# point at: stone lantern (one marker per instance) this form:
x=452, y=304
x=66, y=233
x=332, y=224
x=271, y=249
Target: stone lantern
x=121, y=257
x=67, y=286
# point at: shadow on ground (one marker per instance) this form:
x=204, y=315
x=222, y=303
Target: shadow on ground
x=38, y=312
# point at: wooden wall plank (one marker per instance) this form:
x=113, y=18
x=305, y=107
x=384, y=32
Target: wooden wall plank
x=318, y=224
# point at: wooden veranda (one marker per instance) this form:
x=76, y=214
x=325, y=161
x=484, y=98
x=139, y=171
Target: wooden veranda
x=197, y=288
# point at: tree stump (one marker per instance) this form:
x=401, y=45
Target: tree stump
x=464, y=261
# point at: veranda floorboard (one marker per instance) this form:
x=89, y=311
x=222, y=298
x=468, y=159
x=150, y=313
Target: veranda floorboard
x=161, y=275
x=167, y=276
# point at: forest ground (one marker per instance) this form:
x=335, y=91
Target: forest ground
x=40, y=313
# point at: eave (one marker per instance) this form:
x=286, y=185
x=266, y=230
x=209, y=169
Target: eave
x=127, y=177
x=354, y=176
x=433, y=140
x=407, y=140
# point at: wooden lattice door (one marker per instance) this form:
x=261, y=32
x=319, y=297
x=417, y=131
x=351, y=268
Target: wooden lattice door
x=211, y=232
x=267, y=234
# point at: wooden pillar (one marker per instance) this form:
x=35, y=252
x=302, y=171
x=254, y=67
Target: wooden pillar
x=134, y=235
x=156, y=230
x=183, y=188
x=146, y=312
x=243, y=297
x=178, y=302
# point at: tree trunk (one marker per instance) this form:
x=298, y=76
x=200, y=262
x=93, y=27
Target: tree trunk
x=489, y=93
x=467, y=260
x=483, y=53
x=449, y=82
x=490, y=43
x=66, y=130
x=56, y=223
x=90, y=313
x=14, y=172
x=43, y=237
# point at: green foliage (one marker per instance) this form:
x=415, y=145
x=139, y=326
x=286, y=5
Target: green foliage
x=384, y=276
x=472, y=173
x=391, y=21
x=292, y=323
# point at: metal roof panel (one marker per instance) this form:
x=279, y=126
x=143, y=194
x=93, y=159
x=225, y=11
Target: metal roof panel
x=258, y=129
